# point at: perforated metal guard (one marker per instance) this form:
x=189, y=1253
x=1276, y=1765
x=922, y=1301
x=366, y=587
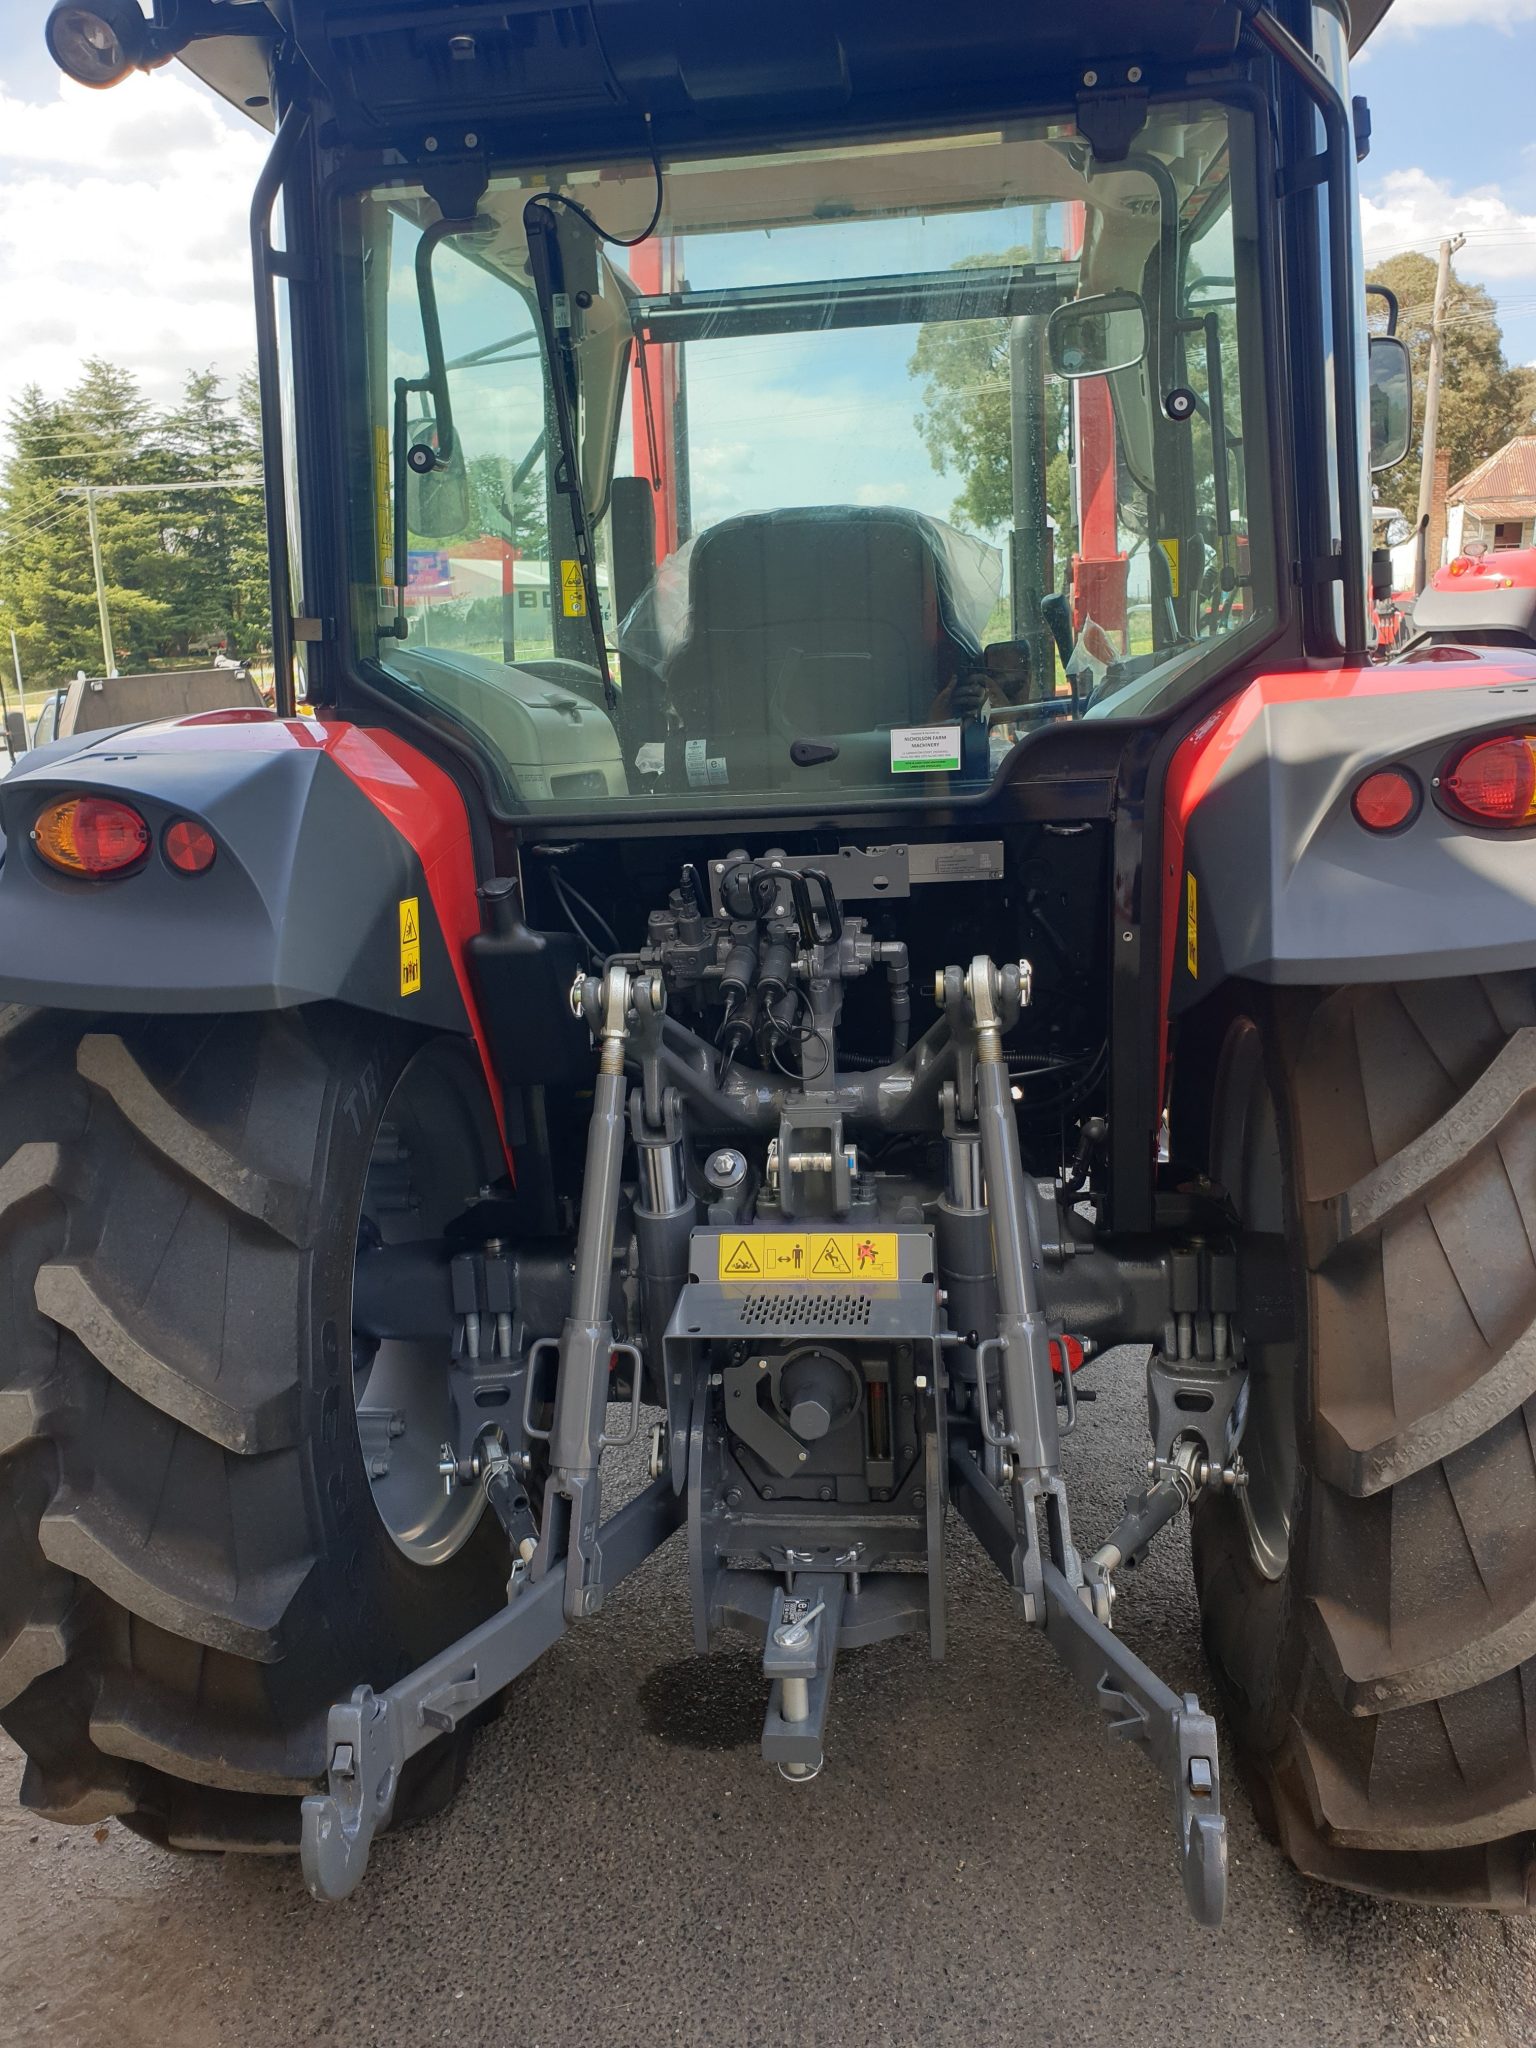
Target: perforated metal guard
x=710, y=1308
x=820, y=1311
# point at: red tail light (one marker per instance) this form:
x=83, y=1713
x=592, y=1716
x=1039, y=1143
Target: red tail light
x=1385, y=800
x=91, y=835
x=189, y=847
x=1494, y=782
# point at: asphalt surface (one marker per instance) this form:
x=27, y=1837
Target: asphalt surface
x=977, y=1865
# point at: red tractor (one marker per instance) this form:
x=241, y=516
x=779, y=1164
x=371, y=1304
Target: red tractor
x=846, y=856
x=1478, y=600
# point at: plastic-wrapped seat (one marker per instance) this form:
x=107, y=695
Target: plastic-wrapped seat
x=827, y=619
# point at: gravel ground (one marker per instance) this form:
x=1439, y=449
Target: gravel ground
x=976, y=1865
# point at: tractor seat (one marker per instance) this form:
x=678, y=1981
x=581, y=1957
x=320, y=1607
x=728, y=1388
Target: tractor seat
x=819, y=620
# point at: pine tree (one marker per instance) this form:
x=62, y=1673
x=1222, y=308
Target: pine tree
x=184, y=571
x=215, y=539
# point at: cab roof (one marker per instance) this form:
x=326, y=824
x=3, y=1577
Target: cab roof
x=579, y=75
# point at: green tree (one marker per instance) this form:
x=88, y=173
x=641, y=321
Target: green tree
x=1483, y=401
x=497, y=517
x=966, y=418
x=215, y=540
x=97, y=434
x=182, y=570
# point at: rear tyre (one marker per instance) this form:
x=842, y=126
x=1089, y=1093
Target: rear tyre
x=192, y=1562
x=1369, y=1604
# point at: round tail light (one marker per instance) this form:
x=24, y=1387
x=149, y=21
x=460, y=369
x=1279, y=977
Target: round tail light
x=1386, y=800
x=91, y=835
x=189, y=847
x=1494, y=782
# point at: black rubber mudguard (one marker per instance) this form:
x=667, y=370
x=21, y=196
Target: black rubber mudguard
x=1277, y=881
x=342, y=854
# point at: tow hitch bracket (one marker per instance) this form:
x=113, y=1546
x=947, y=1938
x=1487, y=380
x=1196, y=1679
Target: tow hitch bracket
x=371, y=1737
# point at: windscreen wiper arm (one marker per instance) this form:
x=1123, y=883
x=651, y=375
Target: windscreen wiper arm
x=548, y=270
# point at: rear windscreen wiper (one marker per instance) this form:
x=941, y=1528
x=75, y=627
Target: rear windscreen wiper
x=547, y=266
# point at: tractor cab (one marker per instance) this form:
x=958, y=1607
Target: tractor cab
x=872, y=470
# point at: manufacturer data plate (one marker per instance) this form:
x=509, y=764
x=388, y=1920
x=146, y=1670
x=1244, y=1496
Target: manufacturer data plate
x=777, y=1255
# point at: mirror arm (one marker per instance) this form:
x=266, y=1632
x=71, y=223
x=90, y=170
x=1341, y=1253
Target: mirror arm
x=1381, y=291
x=1168, y=265
x=431, y=326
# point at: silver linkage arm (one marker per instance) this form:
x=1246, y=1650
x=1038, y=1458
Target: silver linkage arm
x=1028, y=1532
x=372, y=1736
x=983, y=1002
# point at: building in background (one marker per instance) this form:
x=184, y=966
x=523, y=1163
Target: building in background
x=1496, y=502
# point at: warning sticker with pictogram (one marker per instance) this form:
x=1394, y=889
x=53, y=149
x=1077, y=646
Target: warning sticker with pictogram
x=830, y=1260
x=838, y=1257
x=410, y=946
x=573, y=590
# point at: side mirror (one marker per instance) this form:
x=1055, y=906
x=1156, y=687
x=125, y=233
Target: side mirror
x=437, y=495
x=1095, y=337
x=1391, y=385
x=16, y=734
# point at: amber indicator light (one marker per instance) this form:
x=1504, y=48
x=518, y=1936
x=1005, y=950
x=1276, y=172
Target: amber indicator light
x=91, y=835
x=1494, y=782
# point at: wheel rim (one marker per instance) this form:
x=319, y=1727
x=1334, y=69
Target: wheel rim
x=430, y=1154
x=1246, y=1159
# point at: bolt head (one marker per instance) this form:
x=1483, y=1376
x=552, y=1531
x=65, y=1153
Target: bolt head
x=1090, y=79
x=1133, y=75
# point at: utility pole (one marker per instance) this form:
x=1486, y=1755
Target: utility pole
x=1448, y=249
x=91, y=492
x=108, y=658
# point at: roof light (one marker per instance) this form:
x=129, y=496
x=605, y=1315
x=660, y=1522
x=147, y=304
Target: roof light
x=97, y=45
x=91, y=835
x=1494, y=782
x=1386, y=800
x=189, y=847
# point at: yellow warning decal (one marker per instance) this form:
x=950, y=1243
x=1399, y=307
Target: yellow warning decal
x=1191, y=927
x=573, y=591
x=410, y=947
x=381, y=498
x=1170, y=550
x=844, y=1255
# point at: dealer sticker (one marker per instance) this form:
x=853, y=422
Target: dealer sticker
x=925, y=749
x=844, y=1255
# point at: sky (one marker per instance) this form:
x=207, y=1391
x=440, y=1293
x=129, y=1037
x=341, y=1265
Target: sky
x=123, y=214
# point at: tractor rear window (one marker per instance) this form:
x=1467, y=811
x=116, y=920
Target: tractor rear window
x=864, y=464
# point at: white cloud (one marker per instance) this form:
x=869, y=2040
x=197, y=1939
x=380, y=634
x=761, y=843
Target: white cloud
x=123, y=234
x=1413, y=17
x=1412, y=210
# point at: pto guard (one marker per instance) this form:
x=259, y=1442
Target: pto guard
x=344, y=873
